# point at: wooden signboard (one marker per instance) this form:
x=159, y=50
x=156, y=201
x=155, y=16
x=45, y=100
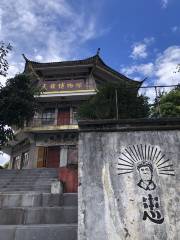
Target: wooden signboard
x=67, y=85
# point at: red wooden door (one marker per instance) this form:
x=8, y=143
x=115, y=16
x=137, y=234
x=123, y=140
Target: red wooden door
x=53, y=157
x=63, y=116
x=41, y=157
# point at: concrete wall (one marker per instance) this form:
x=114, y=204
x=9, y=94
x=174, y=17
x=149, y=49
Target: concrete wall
x=129, y=181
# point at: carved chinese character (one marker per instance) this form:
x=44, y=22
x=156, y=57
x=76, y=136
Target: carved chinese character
x=78, y=85
x=70, y=85
x=151, y=206
x=61, y=85
x=52, y=85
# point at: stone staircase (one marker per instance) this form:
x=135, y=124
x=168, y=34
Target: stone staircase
x=28, y=211
x=38, y=179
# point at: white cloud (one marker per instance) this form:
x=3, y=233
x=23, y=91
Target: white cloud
x=144, y=69
x=38, y=58
x=1, y=20
x=162, y=71
x=166, y=65
x=139, y=49
x=149, y=92
x=164, y=3
x=175, y=29
x=55, y=28
x=149, y=40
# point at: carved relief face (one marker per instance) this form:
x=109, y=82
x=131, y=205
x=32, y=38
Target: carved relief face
x=145, y=173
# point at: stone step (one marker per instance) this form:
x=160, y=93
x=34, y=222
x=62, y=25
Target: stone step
x=30, y=169
x=25, y=188
x=35, y=199
x=39, y=232
x=29, y=175
x=29, y=199
x=40, y=182
x=24, y=178
x=70, y=199
x=29, y=190
x=47, y=170
x=8, y=174
x=37, y=181
x=22, y=192
x=27, y=172
x=30, y=179
x=27, y=179
x=33, y=173
x=23, y=185
x=39, y=215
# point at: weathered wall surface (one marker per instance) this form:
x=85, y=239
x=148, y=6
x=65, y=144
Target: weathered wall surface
x=129, y=185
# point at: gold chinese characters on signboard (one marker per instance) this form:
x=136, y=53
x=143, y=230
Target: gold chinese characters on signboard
x=67, y=85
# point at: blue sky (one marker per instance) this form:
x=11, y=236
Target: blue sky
x=139, y=38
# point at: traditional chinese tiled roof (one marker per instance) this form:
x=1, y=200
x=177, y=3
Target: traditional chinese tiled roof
x=101, y=62
x=35, y=64
x=92, y=61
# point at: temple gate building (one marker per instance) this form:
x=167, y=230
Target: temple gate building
x=50, y=139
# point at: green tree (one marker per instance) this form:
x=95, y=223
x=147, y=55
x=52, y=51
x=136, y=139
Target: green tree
x=4, y=50
x=17, y=104
x=124, y=96
x=169, y=104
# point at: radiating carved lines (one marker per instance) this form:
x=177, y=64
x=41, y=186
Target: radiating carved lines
x=124, y=165
x=136, y=159
x=134, y=154
x=142, y=152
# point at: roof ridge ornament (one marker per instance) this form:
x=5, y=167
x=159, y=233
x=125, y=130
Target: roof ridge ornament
x=96, y=57
x=25, y=58
x=29, y=64
x=98, y=51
